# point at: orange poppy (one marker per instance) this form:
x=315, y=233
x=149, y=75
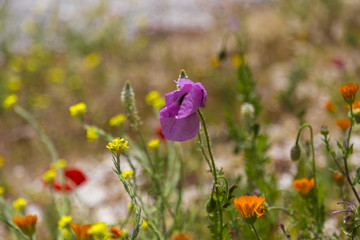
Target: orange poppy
x=26, y=224
x=349, y=92
x=250, y=207
x=304, y=185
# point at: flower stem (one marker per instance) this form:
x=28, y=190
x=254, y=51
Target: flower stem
x=255, y=232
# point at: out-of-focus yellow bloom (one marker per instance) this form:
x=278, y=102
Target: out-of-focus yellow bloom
x=153, y=144
x=1, y=161
x=91, y=134
x=64, y=222
x=2, y=190
x=304, y=185
x=98, y=229
x=28, y=25
x=214, y=61
x=78, y=110
x=40, y=100
x=49, y=175
x=92, y=60
x=9, y=101
x=16, y=64
x=130, y=205
x=145, y=225
x=32, y=64
x=60, y=163
x=19, y=203
x=118, y=145
x=117, y=120
x=151, y=97
x=128, y=174
x=159, y=103
x=237, y=60
x=65, y=233
x=56, y=75
x=14, y=83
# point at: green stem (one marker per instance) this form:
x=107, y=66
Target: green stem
x=51, y=149
x=255, y=232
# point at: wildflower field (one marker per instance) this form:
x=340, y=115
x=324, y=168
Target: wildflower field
x=179, y=120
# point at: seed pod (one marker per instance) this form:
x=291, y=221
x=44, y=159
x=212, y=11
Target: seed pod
x=295, y=152
x=210, y=205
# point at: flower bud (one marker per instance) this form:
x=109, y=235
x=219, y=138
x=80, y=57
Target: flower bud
x=210, y=205
x=295, y=152
x=324, y=130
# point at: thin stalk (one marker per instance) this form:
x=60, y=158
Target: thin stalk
x=345, y=158
x=255, y=232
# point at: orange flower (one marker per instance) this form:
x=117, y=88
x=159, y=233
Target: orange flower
x=81, y=231
x=304, y=185
x=343, y=123
x=180, y=236
x=250, y=207
x=355, y=105
x=330, y=106
x=349, y=91
x=116, y=232
x=26, y=224
x=338, y=177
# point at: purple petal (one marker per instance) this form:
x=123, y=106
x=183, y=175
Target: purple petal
x=180, y=129
x=203, y=92
x=184, y=81
x=190, y=103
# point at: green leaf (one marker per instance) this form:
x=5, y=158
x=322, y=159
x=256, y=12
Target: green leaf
x=357, y=177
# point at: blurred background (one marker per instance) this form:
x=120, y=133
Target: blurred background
x=54, y=54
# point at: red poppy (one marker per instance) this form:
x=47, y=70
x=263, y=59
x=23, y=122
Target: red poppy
x=159, y=133
x=74, y=177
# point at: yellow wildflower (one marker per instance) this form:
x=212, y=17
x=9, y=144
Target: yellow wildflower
x=145, y=225
x=159, y=103
x=56, y=75
x=2, y=190
x=1, y=161
x=130, y=205
x=60, y=163
x=19, y=203
x=117, y=120
x=65, y=233
x=91, y=134
x=49, y=175
x=151, y=97
x=9, y=101
x=118, y=145
x=32, y=64
x=78, y=109
x=128, y=174
x=153, y=144
x=14, y=83
x=214, y=61
x=40, y=100
x=92, y=60
x=64, y=222
x=16, y=64
x=98, y=229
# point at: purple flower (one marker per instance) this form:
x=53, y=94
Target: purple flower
x=178, y=118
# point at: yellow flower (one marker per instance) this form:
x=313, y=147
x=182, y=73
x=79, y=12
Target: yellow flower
x=92, y=60
x=14, y=83
x=60, y=163
x=250, y=207
x=151, y=97
x=65, y=233
x=153, y=144
x=40, y=100
x=1, y=161
x=145, y=225
x=214, y=61
x=49, y=175
x=19, y=203
x=64, y=222
x=2, y=190
x=159, y=103
x=304, y=185
x=128, y=174
x=118, y=145
x=78, y=109
x=130, y=205
x=26, y=224
x=237, y=60
x=56, y=75
x=9, y=101
x=98, y=229
x=117, y=120
x=349, y=92
x=91, y=134
x=32, y=64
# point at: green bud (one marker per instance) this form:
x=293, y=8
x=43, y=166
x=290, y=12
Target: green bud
x=295, y=152
x=324, y=131
x=210, y=205
x=128, y=101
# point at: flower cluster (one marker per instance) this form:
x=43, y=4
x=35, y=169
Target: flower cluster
x=78, y=109
x=118, y=145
